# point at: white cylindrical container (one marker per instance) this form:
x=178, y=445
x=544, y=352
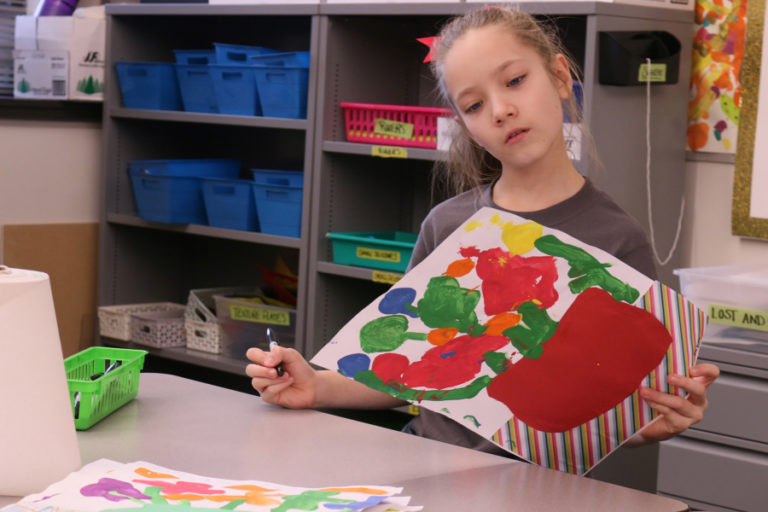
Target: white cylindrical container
x=38, y=442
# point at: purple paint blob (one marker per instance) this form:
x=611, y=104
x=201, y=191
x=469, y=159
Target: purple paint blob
x=112, y=490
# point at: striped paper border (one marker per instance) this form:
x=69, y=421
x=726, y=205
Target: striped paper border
x=578, y=450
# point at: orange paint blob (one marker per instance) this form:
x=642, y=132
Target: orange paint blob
x=442, y=335
x=460, y=267
x=148, y=473
x=697, y=136
x=498, y=323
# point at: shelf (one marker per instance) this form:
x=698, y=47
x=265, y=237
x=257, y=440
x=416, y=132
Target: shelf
x=195, y=229
x=545, y=8
x=193, y=117
x=366, y=274
x=357, y=148
x=55, y=110
x=204, y=9
x=185, y=355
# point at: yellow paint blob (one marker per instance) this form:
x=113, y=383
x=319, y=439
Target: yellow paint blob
x=520, y=238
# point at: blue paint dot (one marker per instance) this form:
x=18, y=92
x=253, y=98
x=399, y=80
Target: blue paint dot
x=351, y=364
x=396, y=300
x=448, y=354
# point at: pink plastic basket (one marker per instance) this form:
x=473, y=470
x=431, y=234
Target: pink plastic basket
x=360, y=120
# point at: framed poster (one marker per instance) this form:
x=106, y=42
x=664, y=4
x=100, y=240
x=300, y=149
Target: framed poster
x=750, y=186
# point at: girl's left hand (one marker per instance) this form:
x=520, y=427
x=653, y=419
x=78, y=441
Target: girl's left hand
x=678, y=413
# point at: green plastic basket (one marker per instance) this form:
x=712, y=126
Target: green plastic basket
x=98, y=385
x=384, y=250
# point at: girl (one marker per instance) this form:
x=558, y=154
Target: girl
x=506, y=79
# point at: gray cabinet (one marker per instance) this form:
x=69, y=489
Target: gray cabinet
x=360, y=53
x=722, y=462
x=146, y=262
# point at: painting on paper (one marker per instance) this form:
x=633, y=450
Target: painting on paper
x=526, y=336
x=718, y=52
x=106, y=485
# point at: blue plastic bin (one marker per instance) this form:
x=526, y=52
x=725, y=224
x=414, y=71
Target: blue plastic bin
x=196, y=87
x=236, y=91
x=282, y=91
x=238, y=54
x=199, y=57
x=283, y=59
x=279, y=209
x=149, y=85
x=199, y=167
x=170, y=191
x=230, y=204
x=271, y=177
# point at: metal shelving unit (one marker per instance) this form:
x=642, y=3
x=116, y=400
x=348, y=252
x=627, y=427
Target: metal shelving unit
x=360, y=53
x=144, y=261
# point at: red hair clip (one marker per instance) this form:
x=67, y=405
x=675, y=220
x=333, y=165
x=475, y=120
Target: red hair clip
x=432, y=43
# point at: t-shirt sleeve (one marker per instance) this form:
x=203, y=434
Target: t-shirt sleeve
x=641, y=259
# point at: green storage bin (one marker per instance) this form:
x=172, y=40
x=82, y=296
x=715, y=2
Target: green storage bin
x=95, y=394
x=383, y=250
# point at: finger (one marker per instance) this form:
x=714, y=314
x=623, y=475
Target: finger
x=705, y=372
x=269, y=359
x=270, y=388
x=256, y=355
x=660, y=400
x=260, y=371
x=697, y=390
x=673, y=406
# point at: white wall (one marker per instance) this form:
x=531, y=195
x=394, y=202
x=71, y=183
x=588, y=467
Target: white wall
x=49, y=172
x=708, y=240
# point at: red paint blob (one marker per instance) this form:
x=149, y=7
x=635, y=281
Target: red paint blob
x=389, y=366
x=454, y=363
x=599, y=354
x=508, y=280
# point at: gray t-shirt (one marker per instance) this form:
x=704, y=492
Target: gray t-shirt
x=590, y=216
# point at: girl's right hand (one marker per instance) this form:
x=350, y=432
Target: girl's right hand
x=296, y=389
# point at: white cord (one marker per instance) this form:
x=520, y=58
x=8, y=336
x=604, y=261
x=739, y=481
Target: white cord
x=648, y=173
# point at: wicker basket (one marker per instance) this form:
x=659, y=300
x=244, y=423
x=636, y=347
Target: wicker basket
x=161, y=329
x=115, y=321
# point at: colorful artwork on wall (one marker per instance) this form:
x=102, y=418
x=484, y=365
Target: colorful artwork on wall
x=526, y=336
x=108, y=485
x=718, y=51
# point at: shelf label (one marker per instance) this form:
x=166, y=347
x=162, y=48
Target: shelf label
x=385, y=277
x=738, y=317
x=369, y=253
x=259, y=315
x=392, y=128
x=389, y=152
x=657, y=72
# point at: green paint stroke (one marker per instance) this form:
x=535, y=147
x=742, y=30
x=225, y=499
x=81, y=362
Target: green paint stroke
x=403, y=392
x=387, y=333
x=472, y=419
x=446, y=304
x=586, y=269
x=497, y=361
x=309, y=500
x=730, y=109
x=538, y=328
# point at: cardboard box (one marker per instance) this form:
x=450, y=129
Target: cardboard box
x=86, y=54
x=25, y=33
x=40, y=74
x=81, y=36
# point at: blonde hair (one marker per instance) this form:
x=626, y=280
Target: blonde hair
x=469, y=165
